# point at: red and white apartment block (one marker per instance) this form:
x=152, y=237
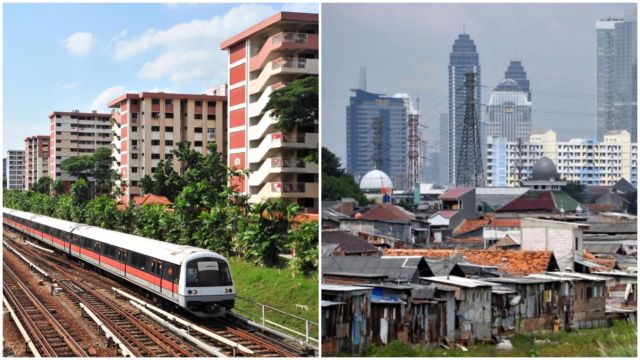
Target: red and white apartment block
x=262, y=59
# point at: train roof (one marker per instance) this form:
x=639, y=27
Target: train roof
x=161, y=250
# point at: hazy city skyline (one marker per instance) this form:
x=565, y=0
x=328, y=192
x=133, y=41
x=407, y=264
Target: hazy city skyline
x=556, y=44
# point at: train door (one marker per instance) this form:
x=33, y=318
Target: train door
x=170, y=277
x=74, y=246
x=122, y=262
x=156, y=273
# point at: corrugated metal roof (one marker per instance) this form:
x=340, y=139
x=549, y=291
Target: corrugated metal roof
x=458, y=281
x=347, y=288
x=455, y=193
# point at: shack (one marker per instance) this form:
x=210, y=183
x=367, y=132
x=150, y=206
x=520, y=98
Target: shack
x=473, y=307
x=346, y=314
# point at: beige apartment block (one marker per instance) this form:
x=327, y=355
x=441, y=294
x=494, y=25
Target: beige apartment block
x=74, y=134
x=262, y=59
x=147, y=126
x=36, y=159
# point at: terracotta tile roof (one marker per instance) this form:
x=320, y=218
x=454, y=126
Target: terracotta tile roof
x=606, y=263
x=469, y=225
x=531, y=201
x=445, y=213
x=455, y=193
x=388, y=212
x=347, y=242
x=151, y=199
x=509, y=262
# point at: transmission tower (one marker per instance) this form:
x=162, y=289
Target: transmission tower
x=519, y=163
x=413, y=148
x=470, y=171
x=377, y=142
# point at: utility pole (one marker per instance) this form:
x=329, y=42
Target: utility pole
x=413, y=149
x=470, y=171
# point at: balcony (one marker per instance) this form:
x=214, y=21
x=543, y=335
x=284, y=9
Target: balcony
x=281, y=140
x=278, y=165
x=285, y=190
x=280, y=41
x=281, y=66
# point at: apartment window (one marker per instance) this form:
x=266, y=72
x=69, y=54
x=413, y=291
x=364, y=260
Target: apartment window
x=197, y=130
x=211, y=117
x=155, y=128
x=134, y=183
x=134, y=142
x=134, y=102
x=153, y=170
x=58, y=132
x=168, y=102
x=198, y=116
x=211, y=103
x=58, y=174
x=168, y=115
x=155, y=101
x=134, y=169
x=134, y=129
x=58, y=116
x=155, y=142
x=134, y=115
x=155, y=115
x=211, y=132
x=134, y=156
x=155, y=156
x=198, y=103
x=58, y=141
x=197, y=143
x=168, y=129
x=168, y=142
x=168, y=156
x=58, y=157
x=58, y=124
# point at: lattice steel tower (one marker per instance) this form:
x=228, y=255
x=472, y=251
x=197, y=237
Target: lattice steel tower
x=413, y=149
x=470, y=171
x=378, y=143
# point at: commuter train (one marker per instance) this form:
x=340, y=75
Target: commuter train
x=195, y=279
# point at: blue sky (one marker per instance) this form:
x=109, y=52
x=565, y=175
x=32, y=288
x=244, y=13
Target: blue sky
x=79, y=56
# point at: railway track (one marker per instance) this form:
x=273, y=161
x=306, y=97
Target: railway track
x=84, y=286
x=48, y=333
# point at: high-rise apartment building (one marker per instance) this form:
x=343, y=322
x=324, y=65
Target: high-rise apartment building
x=262, y=59
x=583, y=160
x=509, y=112
x=377, y=136
x=73, y=134
x=36, y=161
x=436, y=150
x=147, y=126
x=463, y=59
x=515, y=71
x=15, y=169
x=616, y=75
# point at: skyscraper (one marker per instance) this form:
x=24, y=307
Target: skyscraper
x=625, y=72
x=616, y=75
x=369, y=113
x=509, y=112
x=516, y=72
x=436, y=150
x=462, y=59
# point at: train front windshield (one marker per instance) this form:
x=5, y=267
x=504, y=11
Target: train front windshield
x=208, y=272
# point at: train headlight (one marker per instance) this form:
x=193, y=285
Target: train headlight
x=226, y=291
x=189, y=292
x=195, y=292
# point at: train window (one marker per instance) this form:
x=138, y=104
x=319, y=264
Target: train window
x=96, y=247
x=122, y=255
x=171, y=273
x=208, y=272
x=87, y=243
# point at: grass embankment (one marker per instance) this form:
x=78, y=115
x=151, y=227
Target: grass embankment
x=616, y=341
x=276, y=287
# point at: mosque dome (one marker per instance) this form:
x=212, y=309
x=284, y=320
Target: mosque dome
x=544, y=170
x=375, y=180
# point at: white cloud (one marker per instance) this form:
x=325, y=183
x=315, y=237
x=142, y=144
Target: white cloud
x=191, y=50
x=308, y=7
x=68, y=86
x=80, y=43
x=100, y=102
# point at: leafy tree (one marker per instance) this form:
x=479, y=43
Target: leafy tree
x=40, y=203
x=58, y=187
x=576, y=190
x=148, y=220
x=101, y=211
x=80, y=192
x=43, y=185
x=165, y=181
x=303, y=241
x=336, y=182
x=65, y=208
x=295, y=105
x=95, y=167
x=331, y=164
x=217, y=228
